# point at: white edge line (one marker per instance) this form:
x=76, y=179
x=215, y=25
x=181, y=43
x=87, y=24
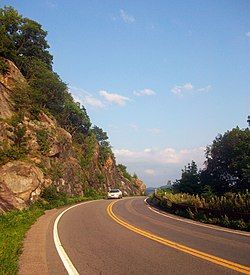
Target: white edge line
x=197, y=223
x=62, y=254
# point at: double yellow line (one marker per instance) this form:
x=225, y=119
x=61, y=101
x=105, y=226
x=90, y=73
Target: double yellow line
x=231, y=265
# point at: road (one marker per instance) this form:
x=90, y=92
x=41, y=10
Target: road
x=127, y=237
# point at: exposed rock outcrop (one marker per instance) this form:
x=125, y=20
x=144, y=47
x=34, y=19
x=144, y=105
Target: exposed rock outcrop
x=23, y=180
x=50, y=157
x=7, y=83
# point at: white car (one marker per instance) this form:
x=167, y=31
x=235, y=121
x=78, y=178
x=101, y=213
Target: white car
x=115, y=194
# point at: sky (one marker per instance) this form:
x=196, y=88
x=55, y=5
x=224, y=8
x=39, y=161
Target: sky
x=162, y=78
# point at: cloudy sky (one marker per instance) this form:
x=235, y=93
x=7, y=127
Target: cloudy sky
x=163, y=78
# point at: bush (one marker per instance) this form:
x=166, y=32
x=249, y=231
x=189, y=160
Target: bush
x=85, y=151
x=230, y=210
x=3, y=68
x=123, y=169
x=233, y=202
x=105, y=153
x=18, y=148
x=91, y=192
x=56, y=171
x=42, y=137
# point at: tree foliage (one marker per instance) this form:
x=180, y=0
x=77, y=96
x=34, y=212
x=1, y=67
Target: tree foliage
x=227, y=167
x=190, y=180
x=105, y=148
x=228, y=162
x=22, y=37
x=101, y=136
x=23, y=41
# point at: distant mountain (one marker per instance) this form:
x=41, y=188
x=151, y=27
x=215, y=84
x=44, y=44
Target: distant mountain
x=150, y=190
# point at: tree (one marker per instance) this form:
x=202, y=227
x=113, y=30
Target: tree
x=74, y=117
x=123, y=169
x=135, y=176
x=23, y=41
x=101, y=136
x=190, y=180
x=228, y=162
x=22, y=37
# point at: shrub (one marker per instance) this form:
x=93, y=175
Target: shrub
x=222, y=210
x=56, y=171
x=42, y=137
x=91, y=192
x=101, y=178
x=105, y=153
x=3, y=68
x=18, y=149
x=50, y=193
x=85, y=151
x=123, y=169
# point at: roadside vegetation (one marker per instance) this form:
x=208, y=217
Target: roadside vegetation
x=15, y=224
x=218, y=194
x=230, y=210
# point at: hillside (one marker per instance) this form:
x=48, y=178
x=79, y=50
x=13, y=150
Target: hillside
x=37, y=152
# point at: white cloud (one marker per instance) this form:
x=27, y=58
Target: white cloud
x=147, y=92
x=126, y=17
x=114, y=98
x=150, y=172
x=188, y=87
x=166, y=163
x=204, y=89
x=248, y=34
x=178, y=90
x=161, y=156
x=85, y=98
x=94, y=102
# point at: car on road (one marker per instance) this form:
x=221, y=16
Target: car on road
x=114, y=194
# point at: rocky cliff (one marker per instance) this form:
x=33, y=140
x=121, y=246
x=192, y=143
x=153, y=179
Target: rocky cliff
x=37, y=153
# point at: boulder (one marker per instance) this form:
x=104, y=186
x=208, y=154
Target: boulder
x=23, y=182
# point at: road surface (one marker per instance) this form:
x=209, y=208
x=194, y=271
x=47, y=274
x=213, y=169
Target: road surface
x=127, y=237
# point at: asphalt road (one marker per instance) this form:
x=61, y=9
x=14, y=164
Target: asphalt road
x=98, y=241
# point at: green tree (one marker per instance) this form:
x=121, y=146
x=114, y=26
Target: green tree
x=135, y=176
x=74, y=117
x=190, y=180
x=228, y=162
x=101, y=136
x=22, y=37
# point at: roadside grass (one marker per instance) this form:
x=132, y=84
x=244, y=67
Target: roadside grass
x=15, y=224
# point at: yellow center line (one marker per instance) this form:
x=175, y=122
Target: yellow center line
x=231, y=265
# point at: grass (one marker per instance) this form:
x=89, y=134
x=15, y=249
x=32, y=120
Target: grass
x=15, y=224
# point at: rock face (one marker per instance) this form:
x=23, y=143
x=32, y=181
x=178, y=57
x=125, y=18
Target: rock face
x=7, y=83
x=23, y=180
x=50, y=157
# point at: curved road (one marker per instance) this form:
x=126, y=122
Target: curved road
x=127, y=237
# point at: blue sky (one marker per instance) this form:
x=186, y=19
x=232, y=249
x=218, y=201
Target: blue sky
x=163, y=78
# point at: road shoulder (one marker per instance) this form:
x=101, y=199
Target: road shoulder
x=33, y=259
